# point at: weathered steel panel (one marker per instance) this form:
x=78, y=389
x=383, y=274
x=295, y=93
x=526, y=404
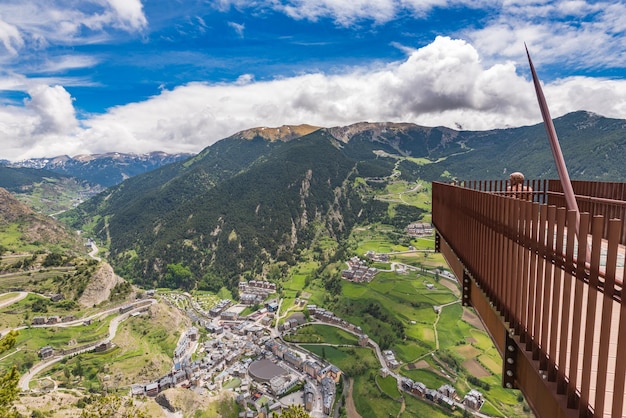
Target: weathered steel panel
x=528, y=275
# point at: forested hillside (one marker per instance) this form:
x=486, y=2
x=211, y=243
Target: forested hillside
x=247, y=202
x=233, y=209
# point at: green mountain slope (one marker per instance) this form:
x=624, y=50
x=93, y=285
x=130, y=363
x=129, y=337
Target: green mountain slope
x=593, y=147
x=235, y=207
x=246, y=202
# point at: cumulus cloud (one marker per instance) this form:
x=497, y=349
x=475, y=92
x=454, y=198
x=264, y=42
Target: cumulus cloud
x=444, y=83
x=588, y=33
x=591, y=33
x=53, y=106
x=46, y=123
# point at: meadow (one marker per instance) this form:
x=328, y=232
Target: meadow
x=434, y=348
x=318, y=333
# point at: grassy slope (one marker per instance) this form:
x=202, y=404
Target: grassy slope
x=406, y=299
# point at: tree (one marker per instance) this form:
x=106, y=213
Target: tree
x=40, y=305
x=53, y=259
x=179, y=276
x=8, y=392
x=293, y=411
x=8, y=341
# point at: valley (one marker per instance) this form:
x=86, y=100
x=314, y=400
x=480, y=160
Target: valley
x=396, y=310
x=313, y=248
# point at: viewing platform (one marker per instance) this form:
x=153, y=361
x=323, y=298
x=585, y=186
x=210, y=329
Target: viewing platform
x=550, y=298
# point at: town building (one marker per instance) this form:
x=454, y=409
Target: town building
x=45, y=352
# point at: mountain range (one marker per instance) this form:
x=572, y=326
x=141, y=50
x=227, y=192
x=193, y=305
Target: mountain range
x=103, y=169
x=264, y=195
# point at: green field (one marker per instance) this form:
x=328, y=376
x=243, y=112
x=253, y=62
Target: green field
x=406, y=300
x=317, y=333
x=389, y=385
x=397, y=311
x=428, y=377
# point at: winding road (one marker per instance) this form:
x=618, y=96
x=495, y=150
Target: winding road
x=17, y=298
x=25, y=379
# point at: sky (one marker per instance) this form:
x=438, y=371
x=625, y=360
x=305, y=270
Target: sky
x=95, y=76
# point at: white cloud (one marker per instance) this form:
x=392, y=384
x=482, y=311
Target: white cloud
x=65, y=62
x=129, y=13
x=37, y=24
x=238, y=28
x=589, y=34
x=444, y=83
x=10, y=37
x=347, y=13
x=46, y=124
x=344, y=12
x=53, y=106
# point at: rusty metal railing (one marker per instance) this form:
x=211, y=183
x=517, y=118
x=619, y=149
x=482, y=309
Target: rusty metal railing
x=562, y=306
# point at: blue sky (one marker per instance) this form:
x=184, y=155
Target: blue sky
x=138, y=76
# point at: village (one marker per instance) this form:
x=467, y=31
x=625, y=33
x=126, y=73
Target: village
x=248, y=356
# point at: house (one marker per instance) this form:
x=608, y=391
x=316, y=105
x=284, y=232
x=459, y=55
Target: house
x=419, y=389
x=328, y=394
x=125, y=308
x=56, y=297
x=229, y=316
x=45, y=352
x=293, y=359
x=215, y=329
x=137, y=390
x=180, y=376
x=39, y=320
x=432, y=395
x=312, y=368
x=309, y=397
x=103, y=346
x=474, y=400
x=363, y=340
x=152, y=389
x=334, y=373
x=448, y=391
x=447, y=402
